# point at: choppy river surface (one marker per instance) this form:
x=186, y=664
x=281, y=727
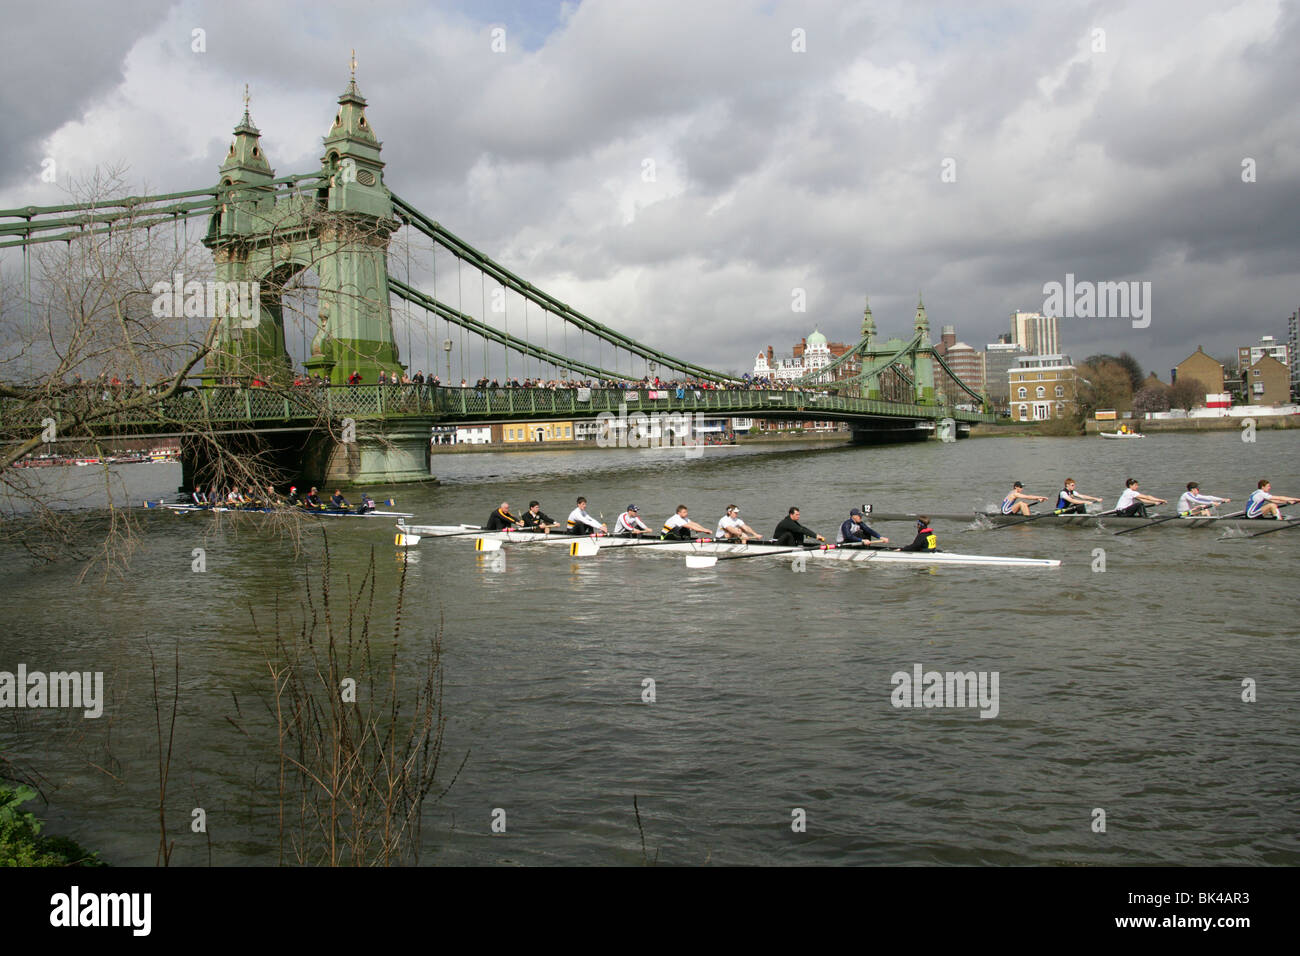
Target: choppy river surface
x=1118, y=690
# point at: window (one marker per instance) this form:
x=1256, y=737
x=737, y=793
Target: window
x=567, y=431
x=1255, y=372
x=1039, y=392
x=1022, y=392
x=1024, y=411
x=1060, y=393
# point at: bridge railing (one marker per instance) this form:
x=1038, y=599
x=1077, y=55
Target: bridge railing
x=313, y=403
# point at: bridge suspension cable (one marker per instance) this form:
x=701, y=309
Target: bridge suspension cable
x=508, y=279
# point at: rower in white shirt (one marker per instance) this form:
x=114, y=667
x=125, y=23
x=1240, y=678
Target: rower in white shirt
x=732, y=528
x=582, y=523
x=1193, y=502
x=1132, y=503
x=679, y=525
x=629, y=524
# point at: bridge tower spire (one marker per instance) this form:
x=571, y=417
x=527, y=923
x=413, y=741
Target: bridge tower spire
x=923, y=356
x=868, y=326
x=245, y=345
x=356, y=329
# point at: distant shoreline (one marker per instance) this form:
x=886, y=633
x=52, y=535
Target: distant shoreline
x=466, y=448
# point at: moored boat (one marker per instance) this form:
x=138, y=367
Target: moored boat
x=309, y=512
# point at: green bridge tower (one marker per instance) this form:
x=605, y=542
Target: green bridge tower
x=340, y=226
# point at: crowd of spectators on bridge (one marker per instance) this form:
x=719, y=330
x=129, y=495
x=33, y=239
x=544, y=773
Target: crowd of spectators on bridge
x=112, y=388
x=496, y=384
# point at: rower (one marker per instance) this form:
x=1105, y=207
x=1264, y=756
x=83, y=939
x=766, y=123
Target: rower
x=1017, y=503
x=313, y=499
x=582, y=523
x=679, y=526
x=292, y=501
x=926, y=539
x=535, y=519
x=1132, y=503
x=1193, y=502
x=732, y=528
x=501, y=519
x=790, y=532
x=338, y=502
x=629, y=524
x=1072, y=502
x=199, y=497
x=856, y=531
x=1264, y=504
x=367, y=504
x=272, y=499
x=234, y=498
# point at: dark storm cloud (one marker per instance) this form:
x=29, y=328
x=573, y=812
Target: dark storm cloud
x=58, y=58
x=772, y=170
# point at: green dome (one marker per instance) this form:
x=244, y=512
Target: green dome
x=816, y=339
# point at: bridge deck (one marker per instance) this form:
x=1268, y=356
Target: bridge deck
x=457, y=405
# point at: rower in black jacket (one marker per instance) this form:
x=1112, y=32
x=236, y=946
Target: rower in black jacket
x=791, y=533
x=501, y=519
x=926, y=539
x=535, y=519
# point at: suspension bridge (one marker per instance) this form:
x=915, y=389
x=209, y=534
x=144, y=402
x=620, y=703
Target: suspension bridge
x=294, y=366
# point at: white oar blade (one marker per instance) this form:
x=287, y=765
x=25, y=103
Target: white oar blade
x=487, y=544
x=584, y=548
x=701, y=560
x=406, y=540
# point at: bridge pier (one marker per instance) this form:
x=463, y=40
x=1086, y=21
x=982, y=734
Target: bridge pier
x=388, y=453
x=382, y=453
x=890, y=433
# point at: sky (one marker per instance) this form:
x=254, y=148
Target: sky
x=688, y=172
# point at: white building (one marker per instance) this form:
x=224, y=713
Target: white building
x=1035, y=332
x=1249, y=355
x=816, y=354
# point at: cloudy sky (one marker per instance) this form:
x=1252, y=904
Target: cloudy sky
x=678, y=169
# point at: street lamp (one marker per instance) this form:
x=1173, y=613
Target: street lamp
x=446, y=347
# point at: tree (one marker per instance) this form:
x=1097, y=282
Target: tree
x=1187, y=393
x=1132, y=368
x=84, y=344
x=1152, y=398
x=1105, y=384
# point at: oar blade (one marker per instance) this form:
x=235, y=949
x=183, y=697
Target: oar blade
x=701, y=560
x=487, y=544
x=406, y=540
x=584, y=548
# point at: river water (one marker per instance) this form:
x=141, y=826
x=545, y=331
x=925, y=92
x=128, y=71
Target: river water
x=1118, y=690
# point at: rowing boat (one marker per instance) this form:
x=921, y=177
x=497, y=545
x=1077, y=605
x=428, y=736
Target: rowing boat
x=857, y=553
x=1085, y=521
x=710, y=547
x=313, y=512
x=1120, y=435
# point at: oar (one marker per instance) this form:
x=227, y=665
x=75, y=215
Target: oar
x=1181, y=514
x=709, y=560
x=1285, y=526
x=1050, y=514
